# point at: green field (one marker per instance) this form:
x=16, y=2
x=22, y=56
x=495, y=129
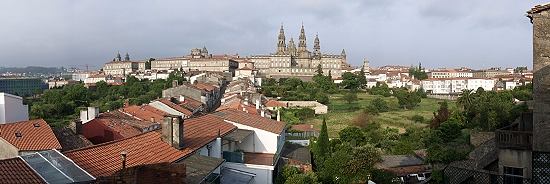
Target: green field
x=340, y=117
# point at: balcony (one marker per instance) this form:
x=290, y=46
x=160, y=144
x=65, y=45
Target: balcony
x=518, y=135
x=250, y=158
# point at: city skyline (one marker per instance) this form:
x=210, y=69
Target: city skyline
x=76, y=34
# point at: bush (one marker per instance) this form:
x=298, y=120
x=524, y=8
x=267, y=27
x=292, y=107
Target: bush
x=418, y=118
x=380, y=105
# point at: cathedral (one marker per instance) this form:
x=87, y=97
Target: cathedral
x=291, y=61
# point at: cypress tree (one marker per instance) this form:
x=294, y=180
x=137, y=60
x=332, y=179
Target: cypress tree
x=323, y=145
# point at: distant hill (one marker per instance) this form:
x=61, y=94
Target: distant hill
x=32, y=69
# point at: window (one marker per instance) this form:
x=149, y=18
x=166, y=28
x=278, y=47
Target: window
x=513, y=175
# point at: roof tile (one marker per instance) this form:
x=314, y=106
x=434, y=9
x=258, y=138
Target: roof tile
x=251, y=120
x=15, y=170
x=34, y=135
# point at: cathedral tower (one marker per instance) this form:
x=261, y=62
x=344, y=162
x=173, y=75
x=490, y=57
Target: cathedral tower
x=302, y=47
x=316, y=47
x=127, y=57
x=291, y=47
x=281, y=45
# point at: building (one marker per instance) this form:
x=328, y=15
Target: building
x=451, y=73
x=120, y=67
x=26, y=137
x=12, y=109
x=456, y=85
x=318, y=107
x=291, y=61
x=409, y=168
x=255, y=147
x=489, y=73
x=22, y=86
x=198, y=60
x=207, y=94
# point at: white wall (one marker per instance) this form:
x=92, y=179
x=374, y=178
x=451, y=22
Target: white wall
x=263, y=141
x=264, y=174
x=12, y=109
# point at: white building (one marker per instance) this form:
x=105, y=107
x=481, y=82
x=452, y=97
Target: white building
x=12, y=109
x=456, y=85
x=255, y=147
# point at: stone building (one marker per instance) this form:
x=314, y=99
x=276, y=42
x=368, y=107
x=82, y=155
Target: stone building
x=291, y=61
x=198, y=60
x=121, y=67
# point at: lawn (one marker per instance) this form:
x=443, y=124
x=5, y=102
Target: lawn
x=340, y=116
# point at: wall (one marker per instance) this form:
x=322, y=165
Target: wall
x=264, y=141
x=165, y=108
x=264, y=174
x=12, y=109
x=7, y=150
x=515, y=158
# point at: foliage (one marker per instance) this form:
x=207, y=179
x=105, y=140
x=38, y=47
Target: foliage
x=441, y=115
x=406, y=99
x=379, y=105
x=322, y=146
x=418, y=118
x=381, y=89
x=418, y=72
x=350, y=81
x=524, y=92
x=383, y=177
x=293, y=175
x=350, y=97
x=361, y=77
x=352, y=134
x=61, y=106
x=294, y=89
x=357, y=161
x=296, y=115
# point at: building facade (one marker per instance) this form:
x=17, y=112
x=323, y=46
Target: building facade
x=291, y=61
x=120, y=67
x=12, y=109
x=22, y=86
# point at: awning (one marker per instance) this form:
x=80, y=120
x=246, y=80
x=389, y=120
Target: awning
x=238, y=135
x=199, y=167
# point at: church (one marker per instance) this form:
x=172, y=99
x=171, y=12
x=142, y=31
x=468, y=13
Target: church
x=291, y=61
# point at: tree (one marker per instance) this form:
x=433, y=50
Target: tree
x=380, y=105
x=350, y=81
x=352, y=134
x=350, y=97
x=407, y=100
x=418, y=118
x=381, y=89
x=441, y=115
x=319, y=70
x=361, y=77
x=323, y=145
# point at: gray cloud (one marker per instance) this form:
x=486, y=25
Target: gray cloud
x=475, y=33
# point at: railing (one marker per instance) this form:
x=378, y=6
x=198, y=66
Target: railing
x=237, y=157
x=510, y=138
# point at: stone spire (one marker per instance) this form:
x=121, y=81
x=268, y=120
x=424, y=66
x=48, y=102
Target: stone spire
x=316, y=47
x=291, y=47
x=343, y=54
x=302, y=47
x=127, y=57
x=118, y=58
x=281, y=45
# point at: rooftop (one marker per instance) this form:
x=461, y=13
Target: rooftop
x=15, y=170
x=166, y=101
x=31, y=135
x=258, y=158
x=145, y=113
x=252, y=120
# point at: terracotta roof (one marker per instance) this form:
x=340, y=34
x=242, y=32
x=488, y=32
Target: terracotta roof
x=191, y=104
x=304, y=128
x=166, y=101
x=274, y=103
x=237, y=105
x=144, y=112
x=204, y=86
x=34, y=135
x=148, y=148
x=252, y=120
x=104, y=159
x=15, y=170
x=124, y=129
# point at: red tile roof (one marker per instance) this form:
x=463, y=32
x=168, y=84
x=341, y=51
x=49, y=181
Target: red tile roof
x=191, y=104
x=204, y=86
x=15, y=170
x=166, y=101
x=252, y=120
x=125, y=125
x=237, y=105
x=304, y=128
x=35, y=135
x=144, y=112
x=274, y=103
x=148, y=148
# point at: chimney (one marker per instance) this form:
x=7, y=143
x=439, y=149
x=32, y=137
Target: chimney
x=172, y=131
x=263, y=113
x=78, y=127
x=174, y=83
x=152, y=119
x=258, y=104
x=126, y=103
x=278, y=115
x=246, y=100
x=182, y=98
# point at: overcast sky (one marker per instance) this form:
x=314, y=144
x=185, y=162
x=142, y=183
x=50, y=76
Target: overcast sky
x=438, y=33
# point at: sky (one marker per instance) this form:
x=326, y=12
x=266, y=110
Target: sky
x=437, y=33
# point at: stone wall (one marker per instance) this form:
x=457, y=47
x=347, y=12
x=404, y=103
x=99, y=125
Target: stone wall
x=541, y=80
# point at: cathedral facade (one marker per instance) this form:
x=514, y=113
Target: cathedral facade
x=291, y=61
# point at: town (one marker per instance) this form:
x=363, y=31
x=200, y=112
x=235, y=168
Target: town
x=290, y=115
